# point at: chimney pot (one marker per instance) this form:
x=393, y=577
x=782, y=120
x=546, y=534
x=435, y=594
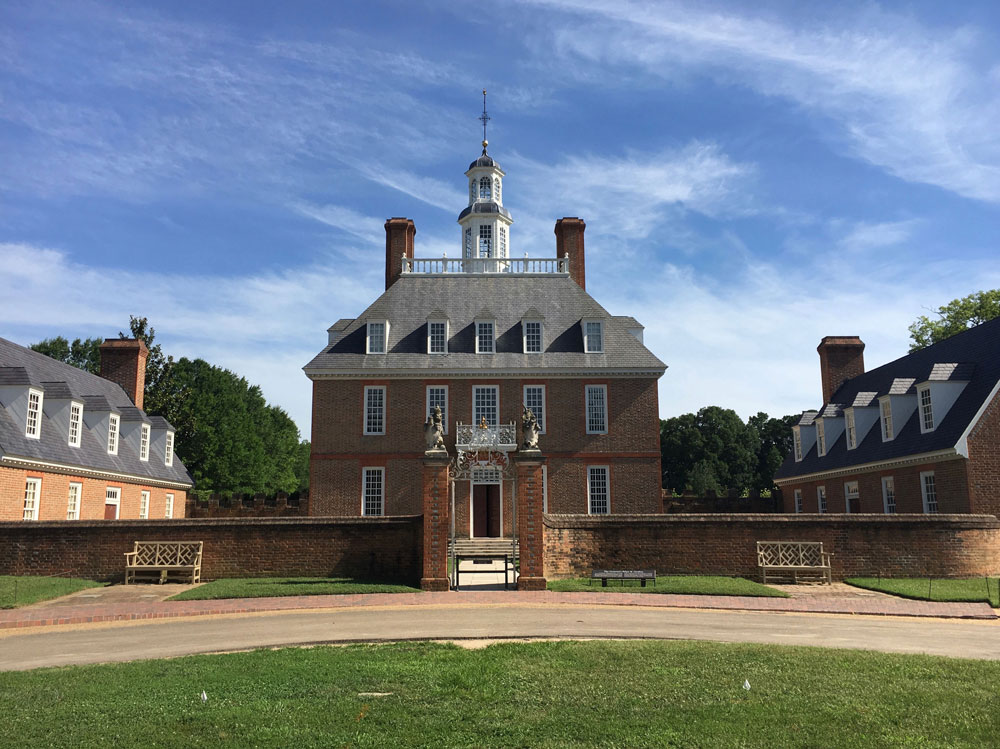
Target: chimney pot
x=569, y=244
x=123, y=361
x=840, y=359
x=399, y=234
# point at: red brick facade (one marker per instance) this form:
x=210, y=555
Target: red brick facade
x=984, y=461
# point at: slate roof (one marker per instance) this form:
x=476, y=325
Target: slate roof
x=484, y=206
x=97, y=394
x=977, y=353
x=409, y=301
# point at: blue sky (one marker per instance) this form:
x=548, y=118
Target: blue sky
x=754, y=176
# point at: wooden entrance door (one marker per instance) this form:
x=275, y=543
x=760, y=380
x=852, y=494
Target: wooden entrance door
x=486, y=510
x=110, y=512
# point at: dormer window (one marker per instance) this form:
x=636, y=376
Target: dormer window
x=378, y=332
x=484, y=188
x=437, y=336
x=797, y=438
x=168, y=457
x=532, y=336
x=486, y=241
x=852, y=432
x=484, y=337
x=112, y=434
x=820, y=438
x=926, y=410
x=144, y=442
x=885, y=410
x=33, y=422
x=75, y=423
x=593, y=337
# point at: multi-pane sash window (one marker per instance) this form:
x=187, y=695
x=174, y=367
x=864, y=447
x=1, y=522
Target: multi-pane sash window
x=496, y=189
x=485, y=405
x=820, y=438
x=484, y=337
x=926, y=411
x=532, y=337
x=373, y=492
x=502, y=251
x=852, y=434
x=468, y=242
x=168, y=457
x=376, y=338
x=143, y=505
x=485, y=241
x=112, y=496
x=73, y=501
x=798, y=443
x=593, y=341
x=484, y=188
x=144, y=442
x=472, y=190
x=851, y=496
x=32, y=494
x=798, y=500
x=597, y=409
x=33, y=424
x=888, y=494
x=113, y=434
x=437, y=395
x=886, y=420
x=437, y=337
x=821, y=498
x=597, y=490
x=534, y=398
x=168, y=511
x=374, y=410
x=75, y=424
x=928, y=488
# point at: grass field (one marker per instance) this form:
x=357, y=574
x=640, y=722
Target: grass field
x=705, y=585
x=264, y=587
x=608, y=694
x=969, y=589
x=22, y=591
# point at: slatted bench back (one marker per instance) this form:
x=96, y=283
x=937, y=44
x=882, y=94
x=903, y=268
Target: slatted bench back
x=790, y=554
x=167, y=553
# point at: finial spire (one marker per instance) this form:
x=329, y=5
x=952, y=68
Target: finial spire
x=484, y=118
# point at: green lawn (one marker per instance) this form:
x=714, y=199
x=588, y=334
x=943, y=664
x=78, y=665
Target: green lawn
x=703, y=585
x=607, y=694
x=263, y=587
x=21, y=591
x=969, y=589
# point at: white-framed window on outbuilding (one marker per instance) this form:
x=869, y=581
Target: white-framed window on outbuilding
x=144, y=442
x=485, y=337
x=885, y=413
x=437, y=395
x=73, y=500
x=851, y=429
x=593, y=337
x=376, y=337
x=598, y=494
x=852, y=497
x=597, y=409
x=821, y=498
x=75, y=423
x=798, y=500
x=112, y=434
x=532, y=336
x=168, y=510
x=168, y=455
x=112, y=502
x=820, y=438
x=374, y=409
x=889, y=495
x=486, y=404
x=437, y=336
x=534, y=398
x=797, y=441
x=928, y=492
x=926, y=410
x=33, y=421
x=143, y=504
x=373, y=491
x=32, y=496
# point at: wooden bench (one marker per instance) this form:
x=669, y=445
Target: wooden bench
x=797, y=560
x=159, y=560
x=623, y=575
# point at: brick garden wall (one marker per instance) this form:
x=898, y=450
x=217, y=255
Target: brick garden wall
x=984, y=461
x=245, y=547
x=891, y=545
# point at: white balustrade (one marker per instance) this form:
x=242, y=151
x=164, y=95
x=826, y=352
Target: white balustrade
x=486, y=265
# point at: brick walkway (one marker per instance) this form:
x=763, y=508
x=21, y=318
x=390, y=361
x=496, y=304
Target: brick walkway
x=42, y=615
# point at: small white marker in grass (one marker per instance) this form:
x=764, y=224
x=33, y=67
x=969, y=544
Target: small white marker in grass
x=746, y=684
x=204, y=697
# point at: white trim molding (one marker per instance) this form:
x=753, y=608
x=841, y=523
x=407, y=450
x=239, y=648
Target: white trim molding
x=42, y=465
x=937, y=456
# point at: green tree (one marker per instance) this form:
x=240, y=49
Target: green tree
x=712, y=449
x=82, y=353
x=775, y=442
x=954, y=317
x=157, y=365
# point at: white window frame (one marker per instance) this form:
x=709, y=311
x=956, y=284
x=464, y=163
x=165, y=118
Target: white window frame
x=587, y=341
x=444, y=406
x=926, y=409
x=852, y=497
x=590, y=489
x=144, y=432
x=821, y=499
x=75, y=424
x=928, y=492
x=168, y=505
x=33, y=416
x=168, y=454
x=114, y=424
x=501, y=241
x=144, y=504
x=73, y=497
x=820, y=438
x=524, y=336
x=476, y=414
x=367, y=415
x=798, y=500
x=369, y=349
x=374, y=470
x=485, y=188
x=586, y=410
x=32, y=498
x=851, y=428
x=113, y=496
x=430, y=337
x=481, y=335
x=542, y=415
x=889, y=495
x=485, y=246
x=797, y=443
x=885, y=419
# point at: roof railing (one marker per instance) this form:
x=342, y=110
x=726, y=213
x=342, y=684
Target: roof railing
x=526, y=266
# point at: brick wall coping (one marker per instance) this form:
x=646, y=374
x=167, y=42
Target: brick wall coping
x=210, y=522
x=949, y=521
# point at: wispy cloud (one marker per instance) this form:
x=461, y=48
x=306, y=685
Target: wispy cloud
x=865, y=236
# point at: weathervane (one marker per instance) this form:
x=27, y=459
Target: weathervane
x=484, y=118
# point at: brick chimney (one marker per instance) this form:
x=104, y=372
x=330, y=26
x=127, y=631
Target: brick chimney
x=569, y=243
x=398, y=244
x=123, y=361
x=840, y=359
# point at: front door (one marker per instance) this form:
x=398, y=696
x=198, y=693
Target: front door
x=110, y=512
x=486, y=510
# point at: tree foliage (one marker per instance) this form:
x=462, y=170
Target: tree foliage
x=954, y=317
x=82, y=353
x=157, y=365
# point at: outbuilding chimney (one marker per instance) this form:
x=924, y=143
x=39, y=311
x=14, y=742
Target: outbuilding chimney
x=840, y=359
x=569, y=244
x=399, y=234
x=123, y=361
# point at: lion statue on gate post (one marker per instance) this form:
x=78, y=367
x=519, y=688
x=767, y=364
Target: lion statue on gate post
x=434, y=430
x=529, y=430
